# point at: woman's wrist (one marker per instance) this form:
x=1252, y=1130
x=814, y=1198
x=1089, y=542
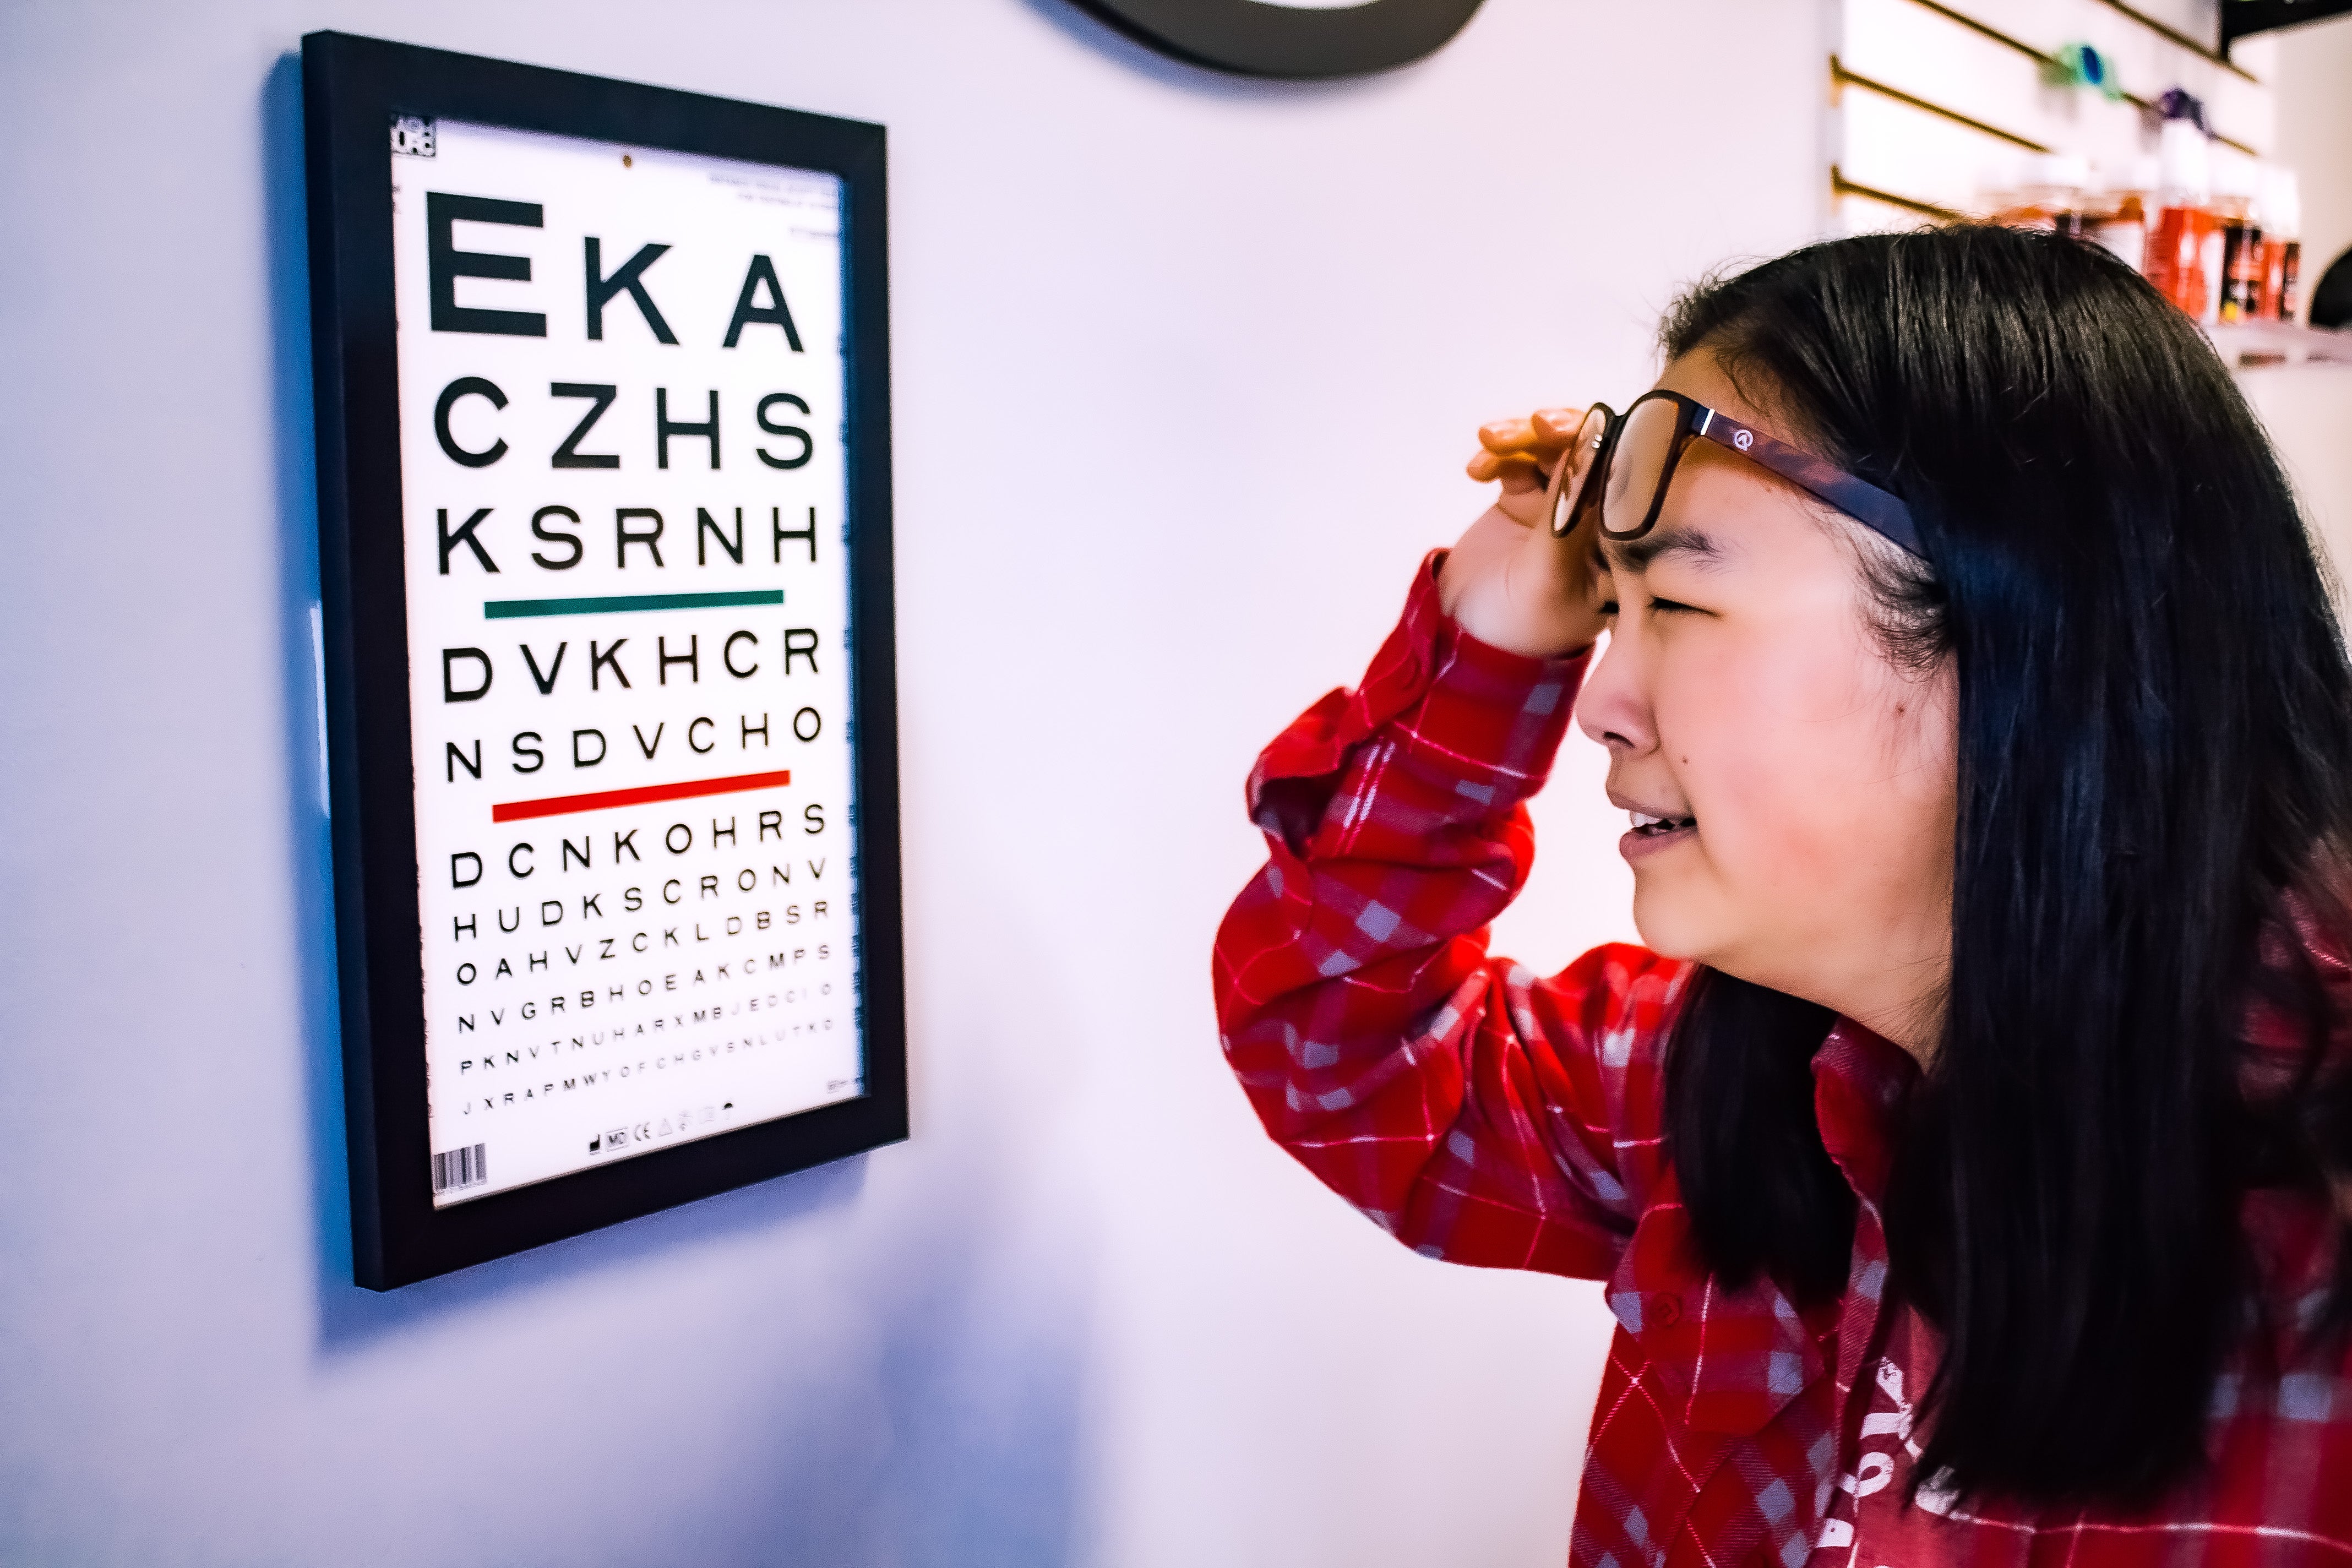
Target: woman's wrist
x=1515, y=599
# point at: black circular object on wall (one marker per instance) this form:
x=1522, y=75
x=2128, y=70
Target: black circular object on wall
x=1252, y=38
x=2331, y=303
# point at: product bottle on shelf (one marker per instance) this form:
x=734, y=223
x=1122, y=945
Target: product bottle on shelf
x=2177, y=238
x=2120, y=222
x=2236, y=280
x=2282, y=247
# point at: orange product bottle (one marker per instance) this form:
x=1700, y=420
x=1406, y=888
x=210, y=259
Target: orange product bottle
x=2179, y=236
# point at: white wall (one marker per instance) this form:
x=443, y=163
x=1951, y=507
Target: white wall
x=1185, y=370
x=2315, y=109
x=2308, y=407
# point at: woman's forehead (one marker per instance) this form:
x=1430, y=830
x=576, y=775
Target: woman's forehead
x=1700, y=374
x=1730, y=498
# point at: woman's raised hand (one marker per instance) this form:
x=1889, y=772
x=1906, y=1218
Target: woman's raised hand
x=1508, y=582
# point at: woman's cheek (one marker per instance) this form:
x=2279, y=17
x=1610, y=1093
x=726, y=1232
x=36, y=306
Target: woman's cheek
x=1773, y=779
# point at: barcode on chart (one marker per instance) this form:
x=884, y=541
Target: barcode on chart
x=461, y=1168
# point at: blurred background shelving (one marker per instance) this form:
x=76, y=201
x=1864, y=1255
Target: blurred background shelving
x=2259, y=345
x=1943, y=109
x=1936, y=106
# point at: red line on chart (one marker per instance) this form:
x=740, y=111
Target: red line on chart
x=604, y=800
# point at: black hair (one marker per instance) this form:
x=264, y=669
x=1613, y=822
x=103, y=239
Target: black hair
x=2154, y=751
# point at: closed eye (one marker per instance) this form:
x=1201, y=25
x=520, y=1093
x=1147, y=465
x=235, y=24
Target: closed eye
x=1655, y=606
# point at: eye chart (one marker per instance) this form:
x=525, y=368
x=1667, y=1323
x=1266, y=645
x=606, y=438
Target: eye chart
x=627, y=545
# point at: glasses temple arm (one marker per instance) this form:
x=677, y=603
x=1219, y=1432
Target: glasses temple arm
x=1858, y=498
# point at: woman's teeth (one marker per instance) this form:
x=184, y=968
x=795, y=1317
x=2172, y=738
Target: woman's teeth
x=1644, y=822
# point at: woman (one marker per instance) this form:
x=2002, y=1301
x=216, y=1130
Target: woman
x=1964, y=1151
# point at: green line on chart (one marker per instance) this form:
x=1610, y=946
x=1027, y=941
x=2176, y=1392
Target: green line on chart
x=510, y=609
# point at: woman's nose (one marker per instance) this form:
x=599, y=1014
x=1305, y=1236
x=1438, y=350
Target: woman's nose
x=1614, y=707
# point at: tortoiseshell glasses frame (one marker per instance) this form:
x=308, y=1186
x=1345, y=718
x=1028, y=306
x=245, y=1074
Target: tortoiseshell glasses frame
x=1632, y=456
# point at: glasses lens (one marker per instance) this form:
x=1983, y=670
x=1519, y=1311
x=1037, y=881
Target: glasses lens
x=1576, y=468
x=1637, y=464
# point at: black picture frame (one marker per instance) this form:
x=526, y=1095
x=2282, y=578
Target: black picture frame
x=353, y=89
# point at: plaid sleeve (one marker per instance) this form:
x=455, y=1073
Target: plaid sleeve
x=1479, y=1112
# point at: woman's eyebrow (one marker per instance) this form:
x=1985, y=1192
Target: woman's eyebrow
x=1637, y=554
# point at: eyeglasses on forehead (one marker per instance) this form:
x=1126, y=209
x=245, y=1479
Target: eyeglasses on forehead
x=1620, y=464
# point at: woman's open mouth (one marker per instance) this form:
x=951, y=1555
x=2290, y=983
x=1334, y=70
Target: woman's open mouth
x=1651, y=834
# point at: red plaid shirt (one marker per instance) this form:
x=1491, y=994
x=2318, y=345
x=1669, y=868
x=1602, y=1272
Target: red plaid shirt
x=1487, y=1115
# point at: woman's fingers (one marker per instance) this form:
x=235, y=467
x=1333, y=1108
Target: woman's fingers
x=1484, y=465
x=1544, y=432
x=1522, y=453
x=1556, y=428
x=1506, y=434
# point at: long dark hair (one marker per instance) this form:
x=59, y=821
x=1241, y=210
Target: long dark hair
x=2155, y=777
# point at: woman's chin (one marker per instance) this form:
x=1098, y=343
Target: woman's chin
x=1668, y=927
x=1684, y=915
